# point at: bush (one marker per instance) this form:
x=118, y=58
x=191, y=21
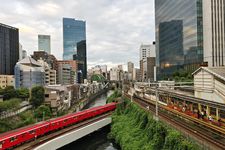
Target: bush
x=43, y=112
x=12, y=104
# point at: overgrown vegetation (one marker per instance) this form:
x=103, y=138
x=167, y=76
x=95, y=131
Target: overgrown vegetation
x=182, y=76
x=9, y=92
x=113, y=97
x=134, y=129
x=18, y=121
x=12, y=104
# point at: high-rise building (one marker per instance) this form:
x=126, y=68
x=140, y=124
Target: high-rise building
x=147, y=62
x=147, y=50
x=6, y=80
x=22, y=53
x=29, y=73
x=67, y=72
x=189, y=34
x=130, y=68
x=214, y=32
x=9, y=49
x=74, y=31
x=44, y=43
x=81, y=58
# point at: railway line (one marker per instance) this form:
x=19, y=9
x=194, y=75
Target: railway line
x=211, y=139
x=36, y=142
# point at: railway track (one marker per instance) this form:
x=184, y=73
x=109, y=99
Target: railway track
x=212, y=139
x=36, y=142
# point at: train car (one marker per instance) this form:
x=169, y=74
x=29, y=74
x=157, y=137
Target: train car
x=19, y=136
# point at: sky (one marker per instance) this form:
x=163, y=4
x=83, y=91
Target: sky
x=115, y=29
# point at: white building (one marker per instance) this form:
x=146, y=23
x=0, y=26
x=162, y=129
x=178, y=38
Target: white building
x=28, y=73
x=214, y=32
x=114, y=74
x=209, y=83
x=147, y=51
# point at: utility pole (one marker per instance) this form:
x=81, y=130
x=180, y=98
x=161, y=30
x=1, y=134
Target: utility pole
x=156, y=104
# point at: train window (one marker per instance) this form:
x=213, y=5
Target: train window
x=74, y=117
x=12, y=139
x=32, y=132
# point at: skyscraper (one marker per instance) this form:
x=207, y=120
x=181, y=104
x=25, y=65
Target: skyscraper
x=189, y=34
x=81, y=58
x=44, y=43
x=74, y=31
x=9, y=49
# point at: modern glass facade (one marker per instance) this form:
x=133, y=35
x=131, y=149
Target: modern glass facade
x=74, y=31
x=179, y=35
x=9, y=49
x=44, y=43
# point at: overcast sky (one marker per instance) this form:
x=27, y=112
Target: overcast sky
x=115, y=28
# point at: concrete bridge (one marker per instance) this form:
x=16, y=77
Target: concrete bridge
x=74, y=135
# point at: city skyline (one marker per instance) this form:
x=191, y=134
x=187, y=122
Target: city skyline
x=113, y=28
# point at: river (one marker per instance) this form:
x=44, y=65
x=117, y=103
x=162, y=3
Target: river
x=97, y=140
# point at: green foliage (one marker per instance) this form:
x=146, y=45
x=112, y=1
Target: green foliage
x=182, y=76
x=43, y=112
x=112, y=97
x=18, y=121
x=134, y=129
x=8, y=93
x=98, y=78
x=12, y=104
x=22, y=93
x=37, y=96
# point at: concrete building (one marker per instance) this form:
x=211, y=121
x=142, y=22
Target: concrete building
x=69, y=69
x=29, y=73
x=60, y=97
x=44, y=43
x=6, y=80
x=114, y=74
x=147, y=50
x=189, y=40
x=147, y=62
x=50, y=74
x=74, y=31
x=130, y=69
x=22, y=53
x=50, y=59
x=9, y=49
x=209, y=83
x=65, y=74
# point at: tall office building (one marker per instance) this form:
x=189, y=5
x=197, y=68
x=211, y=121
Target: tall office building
x=189, y=34
x=147, y=50
x=74, y=31
x=81, y=58
x=130, y=68
x=9, y=49
x=214, y=32
x=44, y=43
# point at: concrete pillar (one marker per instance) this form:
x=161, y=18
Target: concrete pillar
x=207, y=111
x=191, y=107
x=217, y=114
x=199, y=107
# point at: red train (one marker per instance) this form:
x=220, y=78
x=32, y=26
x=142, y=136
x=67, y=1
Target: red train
x=19, y=136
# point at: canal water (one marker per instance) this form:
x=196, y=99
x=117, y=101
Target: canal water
x=97, y=140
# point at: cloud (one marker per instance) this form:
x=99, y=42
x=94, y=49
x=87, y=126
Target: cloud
x=115, y=28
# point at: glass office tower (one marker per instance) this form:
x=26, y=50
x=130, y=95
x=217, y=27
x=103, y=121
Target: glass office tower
x=179, y=35
x=44, y=43
x=9, y=49
x=74, y=31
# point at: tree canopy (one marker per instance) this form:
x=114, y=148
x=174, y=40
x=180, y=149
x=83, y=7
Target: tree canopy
x=37, y=96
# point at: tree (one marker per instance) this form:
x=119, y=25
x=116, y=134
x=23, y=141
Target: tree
x=9, y=92
x=43, y=112
x=37, y=96
x=22, y=93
